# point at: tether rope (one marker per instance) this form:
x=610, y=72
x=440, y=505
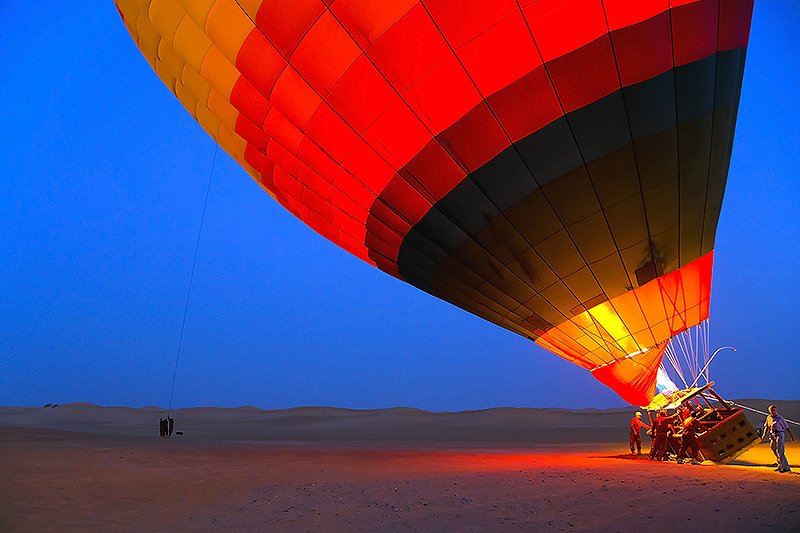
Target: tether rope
x=761, y=412
x=191, y=279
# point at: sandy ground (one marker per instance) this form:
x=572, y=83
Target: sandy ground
x=84, y=468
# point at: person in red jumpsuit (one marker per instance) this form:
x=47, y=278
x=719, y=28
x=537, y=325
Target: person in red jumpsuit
x=662, y=426
x=636, y=435
x=691, y=426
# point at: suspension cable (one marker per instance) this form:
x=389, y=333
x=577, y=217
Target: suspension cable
x=673, y=360
x=704, y=342
x=695, y=349
x=687, y=356
x=691, y=348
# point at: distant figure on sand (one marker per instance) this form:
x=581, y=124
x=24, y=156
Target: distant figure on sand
x=636, y=435
x=162, y=427
x=171, y=425
x=775, y=427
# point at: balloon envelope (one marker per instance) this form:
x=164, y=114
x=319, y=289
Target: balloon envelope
x=556, y=167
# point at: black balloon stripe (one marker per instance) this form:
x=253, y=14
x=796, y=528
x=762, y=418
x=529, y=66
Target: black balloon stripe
x=640, y=118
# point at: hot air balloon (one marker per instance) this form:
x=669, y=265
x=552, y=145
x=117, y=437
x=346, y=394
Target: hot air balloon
x=556, y=167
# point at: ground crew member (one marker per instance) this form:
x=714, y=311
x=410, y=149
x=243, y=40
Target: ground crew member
x=689, y=440
x=661, y=429
x=775, y=427
x=636, y=435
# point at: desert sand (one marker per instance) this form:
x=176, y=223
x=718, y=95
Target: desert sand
x=85, y=468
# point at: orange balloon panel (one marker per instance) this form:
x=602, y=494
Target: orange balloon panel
x=539, y=164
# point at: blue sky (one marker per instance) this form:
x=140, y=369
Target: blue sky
x=102, y=181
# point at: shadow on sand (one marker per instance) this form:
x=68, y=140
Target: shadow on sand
x=750, y=464
x=624, y=456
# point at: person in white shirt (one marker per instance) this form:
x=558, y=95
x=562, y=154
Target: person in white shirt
x=775, y=427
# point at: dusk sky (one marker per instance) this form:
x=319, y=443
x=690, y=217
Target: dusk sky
x=103, y=176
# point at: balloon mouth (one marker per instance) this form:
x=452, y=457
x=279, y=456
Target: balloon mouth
x=622, y=341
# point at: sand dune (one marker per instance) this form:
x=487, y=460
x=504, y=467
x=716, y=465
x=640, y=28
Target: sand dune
x=84, y=467
x=505, y=426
